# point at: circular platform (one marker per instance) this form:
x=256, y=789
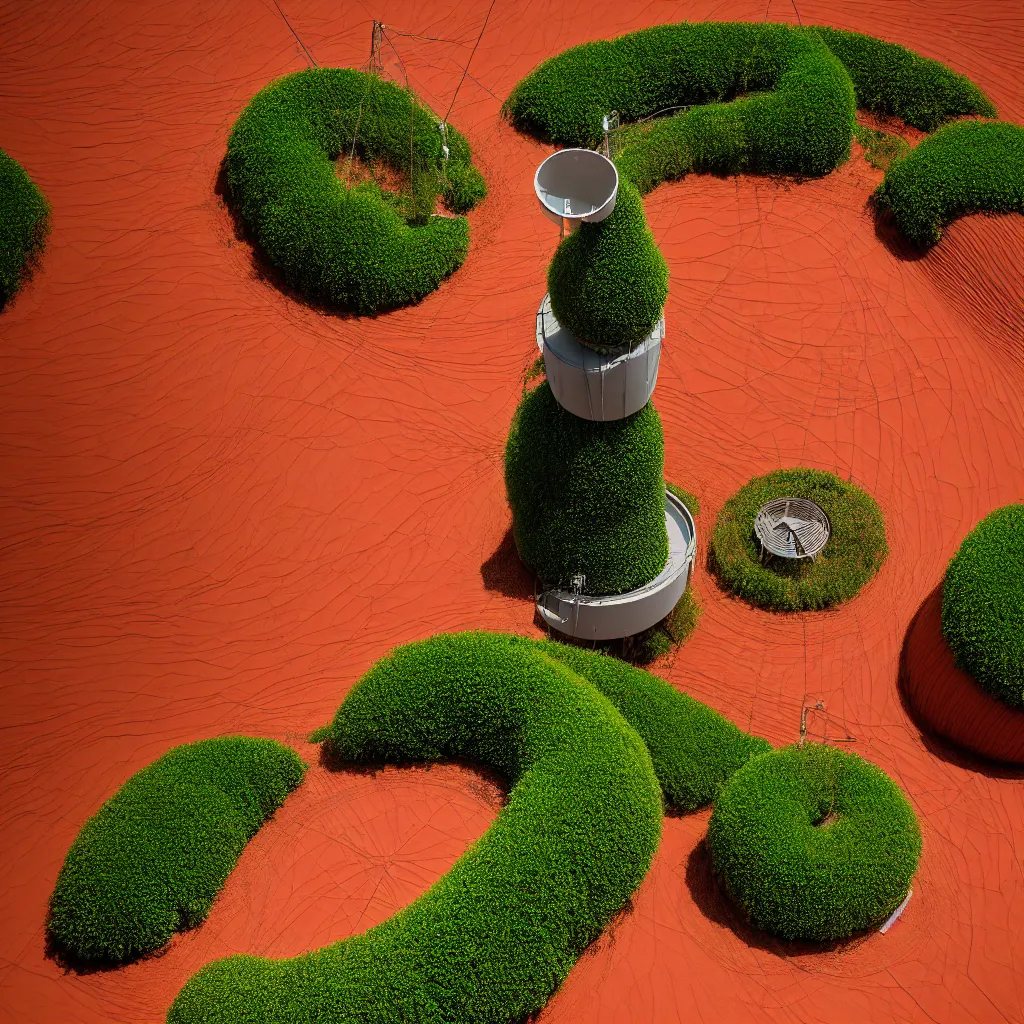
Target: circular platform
x=792, y=528
x=595, y=386
x=618, y=615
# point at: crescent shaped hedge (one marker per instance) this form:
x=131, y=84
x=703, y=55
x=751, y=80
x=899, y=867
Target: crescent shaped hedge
x=587, y=496
x=151, y=861
x=493, y=938
x=797, y=116
x=967, y=167
x=350, y=247
x=760, y=97
x=814, y=843
x=983, y=605
x=24, y=221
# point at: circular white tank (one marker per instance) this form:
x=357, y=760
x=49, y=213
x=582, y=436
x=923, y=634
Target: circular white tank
x=575, y=185
x=595, y=386
x=619, y=615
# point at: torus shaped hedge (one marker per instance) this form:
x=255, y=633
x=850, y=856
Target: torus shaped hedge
x=802, y=126
x=24, y=219
x=350, y=247
x=983, y=605
x=963, y=168
x=587, y=496
x=814, y=843
x=608, y=281
x=152, y=859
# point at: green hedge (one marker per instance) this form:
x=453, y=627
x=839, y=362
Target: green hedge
x=587, y=497
x=695, y=750
x=350, y=247
x=891, y=80
x=494, y=938
x=767, y=97
x=153, y=858
x=24, y=221
x=814, y=843
x=608, y=281
x=803, y=125
x=963, y=168
x=855, y=549
x=690, y=500
x=983, y=604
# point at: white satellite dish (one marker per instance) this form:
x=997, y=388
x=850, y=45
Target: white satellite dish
x=576, y=185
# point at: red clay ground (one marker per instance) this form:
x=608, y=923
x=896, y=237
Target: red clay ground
x=220, y=506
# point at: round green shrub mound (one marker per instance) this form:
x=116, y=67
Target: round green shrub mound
x=494, y=938
x=153, y=858
x=963, y=168
x=802, y=126
x=983, y=604
x=814, y=843
x=24, y=220
x=608, y=281
x=353, y=248
x=855, y=549
x=587, y=497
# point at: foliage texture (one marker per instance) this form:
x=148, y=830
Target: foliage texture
x=24, y=220
x=152, y=859
x=608, y=281
x=891, y=80
x=856, y=546
x=499, y=932
x=688, y=498
x=983, y=604
x=587, y=497
x=963, y=168
x=764, y=97
x=358, y=248
x=814, y=843
x=881, y=149
x=694, y=749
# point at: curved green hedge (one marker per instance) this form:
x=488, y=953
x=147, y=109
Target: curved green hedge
x=153, y=858
x=500, y=931
x=608, y=281
x=814, y=843
x=855, y=549
x=963, y=168
x=802, y=126
x=891, y=80
x=349, y=247
x=983, y=604
x=24, y=220
x=587, y=497
x=694, y=749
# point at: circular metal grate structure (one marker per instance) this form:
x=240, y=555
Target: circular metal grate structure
x=792, y=528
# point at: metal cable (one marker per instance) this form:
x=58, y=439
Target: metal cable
x=465, y=70
x=305, y=49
